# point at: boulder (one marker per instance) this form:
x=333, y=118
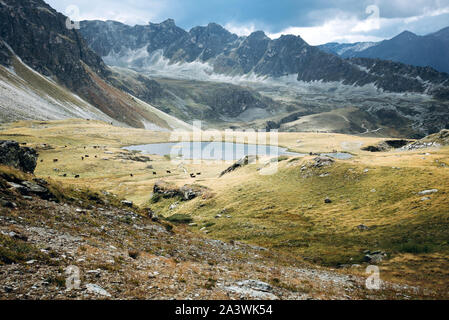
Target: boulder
x=186, y=192
x=375, y=257
x=127, y=203
x=322, y=162
x=362, y=227
x=427, y=192
x=22, y=158
x=240, y=163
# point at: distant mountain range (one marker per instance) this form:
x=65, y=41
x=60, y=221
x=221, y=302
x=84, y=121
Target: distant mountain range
x=226, y=53
x=430, y=50
x=161, y=77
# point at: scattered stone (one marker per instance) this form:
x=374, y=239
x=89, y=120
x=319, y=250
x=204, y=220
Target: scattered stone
x=362, y=227
x=254, y=289
x=427, y=192
x=186, y=193
x=322, y=162
x=133, y=254
x=127, y=203
x=256, y=285
x=173, y=206
x=96, y=289
x=375, y=257
x=18, y=236
x=8, y=204
x=34, y=187
x=95, y=273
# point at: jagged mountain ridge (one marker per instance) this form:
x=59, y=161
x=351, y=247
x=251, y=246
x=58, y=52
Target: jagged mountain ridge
x=36, y=35
x=429, y=50
x=232, y=55
x=346, y=50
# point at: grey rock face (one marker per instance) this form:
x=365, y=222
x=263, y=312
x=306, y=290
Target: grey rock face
x=258, y=54
x=323, y=162
x=240, y=163
x=375, y=257
x=185, y=193
x=38, y=35
x=429, y=50
x=23, y=158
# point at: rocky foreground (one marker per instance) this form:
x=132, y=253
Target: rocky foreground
x=61, y=243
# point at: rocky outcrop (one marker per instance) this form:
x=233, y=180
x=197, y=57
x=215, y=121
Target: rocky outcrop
x=168, y=191
x=240, y=163
x=374, y=257
x=322, y=161
x=387, y=145
x=38, y=35
x=229, y=54
x=23, y=158
x=435, y=140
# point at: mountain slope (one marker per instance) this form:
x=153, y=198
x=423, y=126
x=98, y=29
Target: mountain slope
x=430, y=50
x=346, y=50
x=25, y=95
x=36, y=34
x=213, y=50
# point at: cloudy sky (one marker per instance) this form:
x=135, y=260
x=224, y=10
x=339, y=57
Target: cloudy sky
x=317, y=21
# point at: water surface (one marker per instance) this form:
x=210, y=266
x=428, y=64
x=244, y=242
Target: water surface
x=219, y=150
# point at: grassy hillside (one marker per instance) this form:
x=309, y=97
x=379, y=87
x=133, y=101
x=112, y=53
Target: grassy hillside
x=285, y=211
x=25, y=94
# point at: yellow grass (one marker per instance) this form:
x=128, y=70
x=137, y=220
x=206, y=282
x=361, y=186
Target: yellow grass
x=285, y=210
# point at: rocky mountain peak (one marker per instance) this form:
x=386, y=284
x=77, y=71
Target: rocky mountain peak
x=258, y=35
x=406, y=35
x=169, y=23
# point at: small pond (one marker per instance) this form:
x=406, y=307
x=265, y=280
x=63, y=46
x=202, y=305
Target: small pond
x=227, y=151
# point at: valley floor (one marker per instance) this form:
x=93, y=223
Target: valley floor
x=271, y=228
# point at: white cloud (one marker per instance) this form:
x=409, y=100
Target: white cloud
x=137, y=12
x=337, y=30
x=240, y=29
x=345, y=28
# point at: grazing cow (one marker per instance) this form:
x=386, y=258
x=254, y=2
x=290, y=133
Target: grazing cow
x=55, y=160
x=198, y=174
x=64, y=175
x=192, y=175
x=96, y=157
x=42, y=160
x=77, y=176
x=82, y=158
x=168, y=171
x=131, y=175
x=154, y=172
x=86, y=156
